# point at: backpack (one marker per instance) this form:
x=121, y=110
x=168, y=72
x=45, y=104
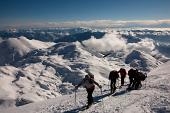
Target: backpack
x=89, y=74
x=91, y=79
x=142, y=76
x=113, y=75
x=89, y=82
x=131, y=72
x=122, y=71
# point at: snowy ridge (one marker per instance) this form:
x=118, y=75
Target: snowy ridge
x=153, y=97
x=141, y=61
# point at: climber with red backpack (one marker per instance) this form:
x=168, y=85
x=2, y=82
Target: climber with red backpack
x=122, y=72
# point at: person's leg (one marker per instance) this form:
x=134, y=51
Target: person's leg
x=134, y=82
x=114, y=85
x=138, y=84
x=131, y=81
x=111, y=86
x=122, y=80
x=89, y=96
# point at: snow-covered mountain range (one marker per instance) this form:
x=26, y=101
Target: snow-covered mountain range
x=153, y=97
x=33, y=70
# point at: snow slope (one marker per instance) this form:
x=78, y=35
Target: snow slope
x=153, y=97
x=49, y=73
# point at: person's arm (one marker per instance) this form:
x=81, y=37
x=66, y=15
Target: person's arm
x=97, y=84
x=118, y=71
x=80, y=84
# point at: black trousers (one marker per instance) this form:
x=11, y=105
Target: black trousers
x=89, y=96
x=131, y=84
x=113, y=86
x=122, y=80
x=138, y=84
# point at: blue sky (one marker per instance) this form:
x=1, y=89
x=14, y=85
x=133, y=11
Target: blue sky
x=33, y=11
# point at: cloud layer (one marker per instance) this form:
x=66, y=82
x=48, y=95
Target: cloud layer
x=96, y=24
x=114, y=42
x=109, y=42
x=111, y=23
x=146, y=45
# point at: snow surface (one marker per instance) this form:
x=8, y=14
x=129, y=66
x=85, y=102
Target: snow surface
x=42, y=75
x=153, y=97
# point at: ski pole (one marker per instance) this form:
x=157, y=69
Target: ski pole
x=75, y=96
x=102, y=100
x=109, y=84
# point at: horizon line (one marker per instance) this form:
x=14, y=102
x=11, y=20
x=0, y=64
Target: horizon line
x=165, y=23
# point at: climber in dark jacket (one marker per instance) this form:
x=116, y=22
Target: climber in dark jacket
x=131, y=74
x=113, y=76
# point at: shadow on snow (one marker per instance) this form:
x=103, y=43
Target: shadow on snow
x=97, y=99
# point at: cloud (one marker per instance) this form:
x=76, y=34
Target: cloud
x=99, y=24
x=109, y=42
x=111, y=23
x=114, y=42
x=92, y=23
x=146, y=45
